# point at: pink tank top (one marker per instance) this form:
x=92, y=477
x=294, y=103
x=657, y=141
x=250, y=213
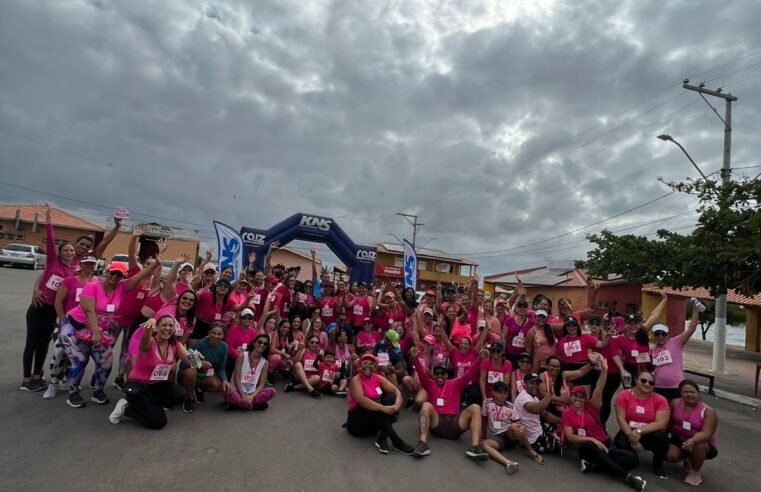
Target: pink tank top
x=685, y=425
x=152, y=367
x=371, y=389
x=309, y=361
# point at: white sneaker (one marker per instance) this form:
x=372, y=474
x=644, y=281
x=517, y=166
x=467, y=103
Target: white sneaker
x=51, y=391
x=118, y=412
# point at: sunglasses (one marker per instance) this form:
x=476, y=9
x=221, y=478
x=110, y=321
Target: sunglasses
x=660, y=334
x=524, y=361
x=116, y=274
x=648, y=382
x=594, y=323
x=439, y=373
x=314, y=342
x=247, y=317
x=262, y=343
x=367, y=363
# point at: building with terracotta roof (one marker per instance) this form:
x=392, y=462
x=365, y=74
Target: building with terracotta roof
x=434, y=266
x=25, y=224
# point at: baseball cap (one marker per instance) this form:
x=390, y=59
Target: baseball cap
x=540, y=312
x=87, y=258
x=428, y=311
x=429, y=340
x=393, y=337
x=210, y=266
x=496, y=346
x=579, y=389
x=524, y=356
x=368, y=356
x=246, y=312
x=521, y=304
x=223, y=282
x=570, y=320
x=439, y=366
x=118, y=267
x=430, y=293
x=499, y=386
x=594, y=317
x=531, y=377
x=631, y=318
x=388, y=294
x=186, y=265
x=660, y=328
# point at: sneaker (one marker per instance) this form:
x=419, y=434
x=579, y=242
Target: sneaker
x=637, y=483
x=511, y=468
x=403, y=447
x=315, y=393
x=187, y=406
x=585, y=466
x=75, y=400
x=693, y=478
x=476, y=453
x=200, y=396
x=660, y=473
x=119, y=383
x=33, y=385
x=341, y=394
x=39, y=384
x=288, y=387
x=64, y=386
x=382, y=445
x=27, y=386
x=260, y=406
x=421, y=450
x=118, y=411
x=409, y=403
x=51, y=391
x=99, y=397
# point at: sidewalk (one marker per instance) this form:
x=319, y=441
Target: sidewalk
x=737, y=383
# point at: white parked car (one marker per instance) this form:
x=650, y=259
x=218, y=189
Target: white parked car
x=23, y=255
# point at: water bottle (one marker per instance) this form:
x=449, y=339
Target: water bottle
x=698, y=305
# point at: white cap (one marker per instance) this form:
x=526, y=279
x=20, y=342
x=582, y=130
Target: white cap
x=210, y=266
x=660, y=327
x=245, y=312
x=186, y=265
x=540, y=312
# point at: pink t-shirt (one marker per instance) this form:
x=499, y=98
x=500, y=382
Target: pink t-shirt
x=495, y=373
x=234, y=299
x=371, y=389
x=498, y=417
x=283, y=298
x=584, y=424
x=309, y=361
x=360, y=310
x=106, y=305
x=640, y=412
x=632, y=352
x=236, y=336
x=573, y=350
x=327, y=309
x=153, y=366
x=55, y=272
x=368, y=338
x=440, y=354
x=667, y=360
x=258, y=300
x=207, y=309
x=445, y=398
x=381, y=320
x=608, y=352
x=461, y=363
x=132, y=302
x=459, y=331
x=327, y=373
x=515, y=335
x=74, y=289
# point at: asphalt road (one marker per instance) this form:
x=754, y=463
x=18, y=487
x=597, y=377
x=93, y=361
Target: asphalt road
x=298, y=444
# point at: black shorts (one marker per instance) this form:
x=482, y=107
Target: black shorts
x=711, y=454
x=503, y=441
x=448, y=428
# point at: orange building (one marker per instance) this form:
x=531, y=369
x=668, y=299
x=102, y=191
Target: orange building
x=433, y=266
x=25, y=224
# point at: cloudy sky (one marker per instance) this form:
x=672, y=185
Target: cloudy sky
x=502, y=124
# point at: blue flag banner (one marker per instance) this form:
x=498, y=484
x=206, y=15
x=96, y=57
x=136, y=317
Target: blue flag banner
x=230, y=248
x=410, y=265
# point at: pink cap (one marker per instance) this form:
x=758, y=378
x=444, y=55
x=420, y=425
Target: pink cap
x=429, y=340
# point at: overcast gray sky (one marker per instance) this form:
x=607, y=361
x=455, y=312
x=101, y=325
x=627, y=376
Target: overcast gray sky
x=500, y=123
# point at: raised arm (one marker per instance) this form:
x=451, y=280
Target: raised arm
x=653, y=319
x=268, y=258
x=686, y=334
x=170, y=289
x=132, y=249
x=600, y=385
x=136, y=279
x=51, y=253
x=314, y=269
x=101, y=247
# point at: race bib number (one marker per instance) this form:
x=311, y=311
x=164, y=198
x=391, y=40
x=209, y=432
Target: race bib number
x=572, y=347
x=494, y=376
x=358, y=310
x=78, y=293
x=642, y=358
x=210, y=371
x=639, y=410
x=161, y=372
x=499, y=425
x=54, y=282
x=379, y=390
x=383, y=359
x=519, y=341
x=327, y=311
x=686, y=425
x=140, y=295
x=248, y=378
x=327, y=376
x=257, y=299
x=309, y=365
x=110, y=308
x=287, y=308
x=663, y=357
x=439, y=402
x=581, y=432
x=217, y=316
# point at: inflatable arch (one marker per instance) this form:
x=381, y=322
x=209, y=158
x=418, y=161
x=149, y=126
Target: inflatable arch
x=359, y=258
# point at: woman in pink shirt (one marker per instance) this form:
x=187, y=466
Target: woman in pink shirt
x=67, y=297
x=327, y=303
x=613, y=379
x=239, y=337
x=516, y=330
x=41, y=316
x=666, y=356
x=305, y=371
x=572, y=349
x=368, y=337
x=557, y=384
x=373, y=402
x=462, y=357
x=693, y=432
x=149, y=389
x=284, y=297
x=88, y=329
x=359, y=307
x=540, y=341
x=634, y=345
x=494, y=369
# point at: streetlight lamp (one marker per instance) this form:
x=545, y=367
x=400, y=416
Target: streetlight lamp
x=669, y=138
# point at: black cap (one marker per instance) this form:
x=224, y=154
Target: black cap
x=496, y=345
x=594, y=317
x=521, y=304
x=524, y=355
x=570, y=320
x=631, y=318
x=499, y=386
x=439, y=365
x=531, y=377
x=361, y=284
x=224, y=281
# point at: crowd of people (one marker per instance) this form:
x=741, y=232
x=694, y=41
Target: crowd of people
x=512, y=372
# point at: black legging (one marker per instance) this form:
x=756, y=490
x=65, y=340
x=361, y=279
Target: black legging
x=611, y=386
x=616, y=462
x=657, y=442
x=148, y=406
x=40, y=323
x=362, y=422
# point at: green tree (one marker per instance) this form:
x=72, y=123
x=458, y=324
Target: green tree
x=723, y=251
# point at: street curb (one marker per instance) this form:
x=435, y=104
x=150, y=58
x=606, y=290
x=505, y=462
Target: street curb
x=734, y=397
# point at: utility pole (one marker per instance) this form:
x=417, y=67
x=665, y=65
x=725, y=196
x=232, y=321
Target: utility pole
x=720, y=338
x=412, y=219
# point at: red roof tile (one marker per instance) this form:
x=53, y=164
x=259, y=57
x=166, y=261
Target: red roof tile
x=703, y=294
x=58, y=217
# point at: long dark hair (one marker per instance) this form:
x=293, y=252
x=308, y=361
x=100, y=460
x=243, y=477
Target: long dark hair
x=266, y=353
x=537, y=299
x=190, y=316
x=213, y=290
x=641, y=337
x=289, y=336
x=173, y=338
x=558, y=385
x=549, y=333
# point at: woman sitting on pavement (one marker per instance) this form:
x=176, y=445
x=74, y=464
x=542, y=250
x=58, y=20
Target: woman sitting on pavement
x=666, y=355
x=373, y=402
x=249, y=389
x=581, y=426
x=693, y=432
x=441, y=413
x=557, y=383
x=149, y=389
x=463, y=356
x=503, y=429
x=643, y=418
x=305, y=374
x=211, y=376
